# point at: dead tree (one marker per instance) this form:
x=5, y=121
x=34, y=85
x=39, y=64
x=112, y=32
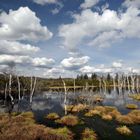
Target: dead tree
x=10, y=89
x=19, y=97
x=33, y=86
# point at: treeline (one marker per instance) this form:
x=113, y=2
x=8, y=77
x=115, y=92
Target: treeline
x=80, y=80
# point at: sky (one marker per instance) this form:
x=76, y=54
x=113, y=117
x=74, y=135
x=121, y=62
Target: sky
x=52, y=38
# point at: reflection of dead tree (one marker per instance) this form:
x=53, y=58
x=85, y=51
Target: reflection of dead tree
x=5, y=91
x=65, y=99
x=100, y=84
x=33, y=86
x=128, y=83
x=65, y=90
x=104, y=82
x=132, y=82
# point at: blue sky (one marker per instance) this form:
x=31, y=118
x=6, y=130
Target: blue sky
x=49, y=38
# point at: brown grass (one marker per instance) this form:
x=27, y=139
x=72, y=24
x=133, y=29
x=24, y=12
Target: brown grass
x=89, y=134
x=107, y=117
x=131, y=106
x=135, y=96
x=104, y=112
x=69, y=108
x=52, y=116
x=124, y=119
x=21, y=128
x=79, y=107
x=124, y=130
x=114, y=113
x=135, y=115
x=92, y=113
x=27, y=115
x=69, y=120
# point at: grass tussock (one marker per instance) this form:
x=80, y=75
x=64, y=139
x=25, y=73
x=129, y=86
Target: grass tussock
x=92, y=113
x=131, y=106
x=124, y=130
x=107, y=117
x=106, y=112
x=135, y=115
x=27, y=115
x=124, y=119
x=68, y=120
x=20, y=128
x=69, y=108
x=98, y=99
x=52, y=116
x=135, y=96
x=114, y=113
x=79, y=107
x=89, y=134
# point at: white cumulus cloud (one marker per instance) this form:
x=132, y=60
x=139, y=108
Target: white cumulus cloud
x=89, y=3
x=91, y=69
x=43, y=2
x=101, y=29
x=22, y=24
x=14, y=47
x=43, y=62
x=74, y=62
x=8, y=59
x=117, y=64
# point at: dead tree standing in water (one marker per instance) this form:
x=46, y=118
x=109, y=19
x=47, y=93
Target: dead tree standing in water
x=33, y=86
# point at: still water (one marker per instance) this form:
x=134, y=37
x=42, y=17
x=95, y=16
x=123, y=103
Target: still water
x=47, y=102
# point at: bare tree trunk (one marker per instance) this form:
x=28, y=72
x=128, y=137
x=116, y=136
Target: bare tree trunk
x=10, y=89
x=31, y=85
x=18, y=88
x=87, y=87
x=74, y=85
x=33, y=89
x=137, y=84
x=104, y=86
x=100, y=84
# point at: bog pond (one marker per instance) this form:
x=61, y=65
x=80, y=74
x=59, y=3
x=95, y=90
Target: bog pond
x=101, y=111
